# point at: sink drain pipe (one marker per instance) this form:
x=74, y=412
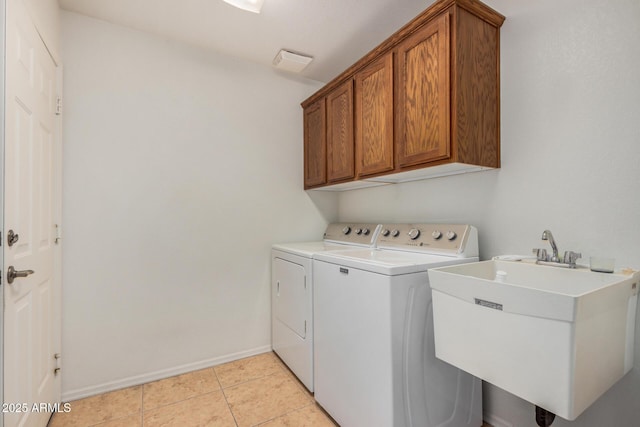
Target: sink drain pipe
x=544, y=418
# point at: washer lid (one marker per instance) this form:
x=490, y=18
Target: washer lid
x=309, y=249
x=389, y=262
x=337, y=236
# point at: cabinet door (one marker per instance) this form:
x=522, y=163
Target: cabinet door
x=374, y=117
x=315, y=142
x=423, y=114
x=340, y=163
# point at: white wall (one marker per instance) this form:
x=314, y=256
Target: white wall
x=570, y=162
x=181, y=168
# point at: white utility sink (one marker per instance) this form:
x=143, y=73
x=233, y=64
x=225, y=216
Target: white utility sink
x=557, y=337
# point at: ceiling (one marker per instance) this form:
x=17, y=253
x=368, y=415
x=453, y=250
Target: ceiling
x=335, y=32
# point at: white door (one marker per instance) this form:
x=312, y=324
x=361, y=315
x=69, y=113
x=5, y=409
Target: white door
x=31, y=322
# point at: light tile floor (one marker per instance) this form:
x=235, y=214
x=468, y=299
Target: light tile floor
x=256, y=391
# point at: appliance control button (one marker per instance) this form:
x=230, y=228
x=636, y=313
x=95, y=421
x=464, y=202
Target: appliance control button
x=395, y=233
x=385, y=232
x=451, y=235
x=365, y=231
x=346, y=230
x=436, y=234
x=358, y=231
x=414, y=233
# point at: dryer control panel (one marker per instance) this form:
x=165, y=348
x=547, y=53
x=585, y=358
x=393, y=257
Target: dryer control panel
x=460, y=240
x=352, y=233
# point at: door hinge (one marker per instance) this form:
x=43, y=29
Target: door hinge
x=58, y=106
x=56, y=370
x=58, y=234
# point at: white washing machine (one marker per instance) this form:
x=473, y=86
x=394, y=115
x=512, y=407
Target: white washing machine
x=292, y=292
x=375, y=363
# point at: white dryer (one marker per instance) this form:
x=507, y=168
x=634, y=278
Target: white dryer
x=292, y=292
x=375, y=363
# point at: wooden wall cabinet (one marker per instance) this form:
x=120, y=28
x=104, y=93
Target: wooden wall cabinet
x=422, y=95
x=328, y=138
x=448, y=95
x=426, y=102
x=340, y=148
x=315, y=144
x=374, y=117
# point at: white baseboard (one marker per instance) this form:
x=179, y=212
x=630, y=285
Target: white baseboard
x=80, y=393
x=496, y=421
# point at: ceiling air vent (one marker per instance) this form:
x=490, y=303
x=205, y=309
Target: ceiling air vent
x=292, y=62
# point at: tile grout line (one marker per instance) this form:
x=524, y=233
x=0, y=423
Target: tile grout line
x=287, y=372
x=224, y=395
x=187, y=399
x=124, y=416
x=285, y=369
x=112, y=419
x=109, y=420
x=295, y=379
x=142, y=406
x=282, y=415
x=282, y=370
x=252, y=379
x=308, y=393
x=181, y=400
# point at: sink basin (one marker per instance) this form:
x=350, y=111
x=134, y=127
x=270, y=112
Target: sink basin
x=556, y=337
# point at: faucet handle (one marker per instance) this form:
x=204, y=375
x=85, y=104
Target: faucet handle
x=541, y=254
x=571, y=257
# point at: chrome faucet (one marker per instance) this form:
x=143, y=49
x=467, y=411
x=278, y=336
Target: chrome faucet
x=546, y=235
x=569, y=259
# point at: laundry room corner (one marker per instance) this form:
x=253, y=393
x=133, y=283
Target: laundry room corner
x=182, y=167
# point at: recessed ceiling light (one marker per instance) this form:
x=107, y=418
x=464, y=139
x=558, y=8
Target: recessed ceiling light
x=250, y=5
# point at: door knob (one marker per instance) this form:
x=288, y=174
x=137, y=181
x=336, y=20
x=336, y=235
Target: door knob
x=12, y=273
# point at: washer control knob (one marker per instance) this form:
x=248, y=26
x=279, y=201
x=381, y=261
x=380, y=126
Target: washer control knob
x=414, y=233
x=436, y=234
x=346, y=230
x=451, y=235
x=395, y=233
x=385, y=232
x=358, y=231
x=366, y=231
